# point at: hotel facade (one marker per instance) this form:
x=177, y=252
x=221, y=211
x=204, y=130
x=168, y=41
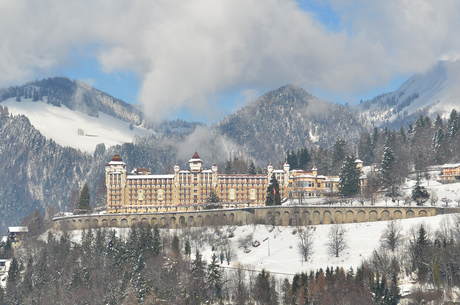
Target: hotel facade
x=190, y=189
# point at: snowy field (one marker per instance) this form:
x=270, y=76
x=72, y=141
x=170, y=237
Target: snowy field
x=278, y=251
x=62, y=125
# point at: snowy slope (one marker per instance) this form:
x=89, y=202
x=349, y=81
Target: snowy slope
x=62, y=125
x=432, y=92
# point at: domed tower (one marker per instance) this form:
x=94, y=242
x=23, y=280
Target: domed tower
x=195, y=163
x=115, y=181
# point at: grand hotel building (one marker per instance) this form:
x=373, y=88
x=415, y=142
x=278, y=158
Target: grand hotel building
x=141, y=191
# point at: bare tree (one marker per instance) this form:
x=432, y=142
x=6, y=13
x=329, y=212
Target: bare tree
x=305, y=244
x=337, y=243
x=391, y=237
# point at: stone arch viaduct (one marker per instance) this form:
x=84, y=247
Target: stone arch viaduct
x=283, y=216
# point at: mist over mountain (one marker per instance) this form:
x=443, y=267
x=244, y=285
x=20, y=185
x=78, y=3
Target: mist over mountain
x=38, y=171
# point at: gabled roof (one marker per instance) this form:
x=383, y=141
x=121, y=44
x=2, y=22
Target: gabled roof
x=196, y=156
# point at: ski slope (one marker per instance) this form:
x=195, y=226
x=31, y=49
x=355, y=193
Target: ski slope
x=73, y=128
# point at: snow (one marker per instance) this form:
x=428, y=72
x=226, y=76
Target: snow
x=62, y=125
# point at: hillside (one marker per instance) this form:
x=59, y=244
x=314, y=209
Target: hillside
x=430, y=93
x=288, y=118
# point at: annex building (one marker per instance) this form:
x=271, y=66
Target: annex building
x=141, y=191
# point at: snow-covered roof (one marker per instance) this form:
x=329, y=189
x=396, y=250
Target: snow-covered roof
x=184, y=171
x=117, y=163
x=21, y=229
x=452, y=165
x=358, y=161
x=195, y=160
x=150, y=177
x=278, y=171
x=4, y=239
x=207, y=171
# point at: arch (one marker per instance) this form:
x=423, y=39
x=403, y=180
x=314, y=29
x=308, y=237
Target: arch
x=286, y=216
x=133, y=221
x=316, y=218
x=410, y=213
x=124, y=222
x=153, y=221
x=232, y=218
x=397, y=214
x=182, y=221
x=385, y=215
x=95, y=222
x=277, y=218
x=338, y=217
x=191, y=221
x=172, y=222
x=200, y=220
x=114, y=222
x=163, y=221
x=105, y=223
x=327, y=217
x=350, y=216
x=144, y=221
x=373, y=215
x=306, y=218
x=422, y=213
x=361, y=216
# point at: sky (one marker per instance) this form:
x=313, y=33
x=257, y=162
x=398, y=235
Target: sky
x=202, y=59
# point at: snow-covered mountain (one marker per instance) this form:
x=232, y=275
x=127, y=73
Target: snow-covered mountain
x=288, y=118
x=74, y=114
x=433, y=92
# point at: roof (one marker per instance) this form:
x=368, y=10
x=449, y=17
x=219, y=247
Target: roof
x=196, y=156
x=150, y=177
x=18, y=229
x=116, y=163
x=4, y=239
x=242, y=176
x=452, y=165
x=117, y=158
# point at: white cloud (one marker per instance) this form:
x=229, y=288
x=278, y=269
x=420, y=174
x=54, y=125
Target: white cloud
x=186, y=52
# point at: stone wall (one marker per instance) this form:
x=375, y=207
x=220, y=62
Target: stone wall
x=284, y=216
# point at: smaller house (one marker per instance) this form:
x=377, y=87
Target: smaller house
x=450, y=173
x=4, y=268
x=16, y=234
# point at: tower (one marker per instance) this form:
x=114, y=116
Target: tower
x=195, y=163
x=115, y=182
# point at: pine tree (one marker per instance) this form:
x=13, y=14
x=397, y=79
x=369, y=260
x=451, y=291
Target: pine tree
x=339, y=154
x=188, y=248
x=419, y=193
x=175, y=245
x=349, y=178
x=387, y=172
x=252, y=168
x=83, y=202
x=303, y=158
x=156, y=247
x=214, y=279
x=197, y=293
x=213, y=198
x=273, y=192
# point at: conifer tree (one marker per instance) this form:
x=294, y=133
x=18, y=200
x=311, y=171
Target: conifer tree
x=252, y=168
x=156, y=247
x=188, y=248
x=419, y=193
x=273, y=192
x=214, y=279
x=213, y=198
x=387, y=171
x=83, y=202
x=349, y=178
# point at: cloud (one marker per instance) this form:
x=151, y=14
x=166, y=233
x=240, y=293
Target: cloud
x=187, y=52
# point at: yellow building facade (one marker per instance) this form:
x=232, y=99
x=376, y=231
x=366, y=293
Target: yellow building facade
x=190, y=189
x=450, y=173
